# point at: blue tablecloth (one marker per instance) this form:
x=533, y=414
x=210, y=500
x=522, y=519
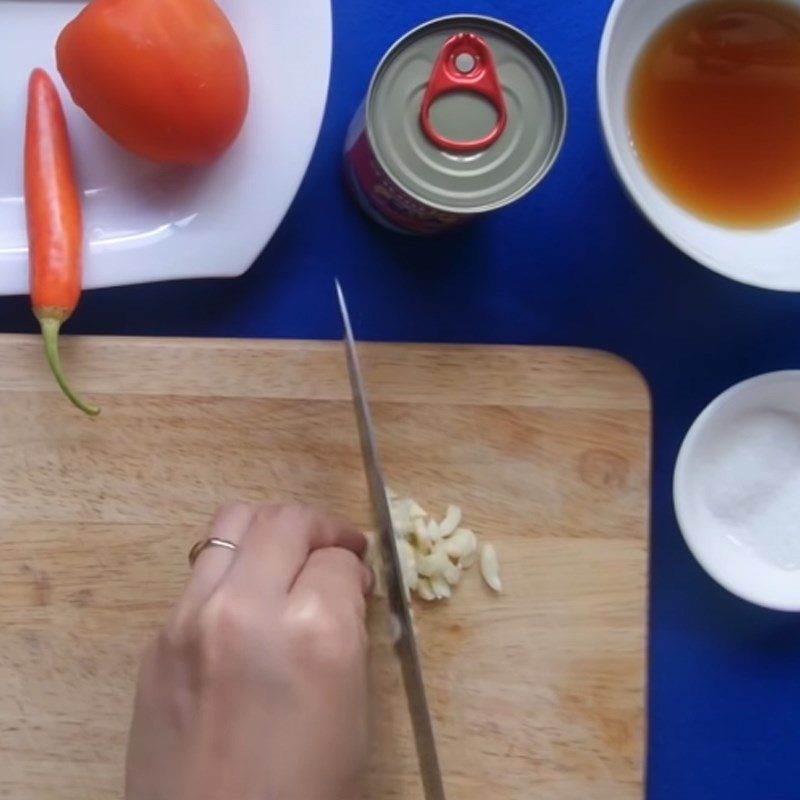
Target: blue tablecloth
x=572, y=264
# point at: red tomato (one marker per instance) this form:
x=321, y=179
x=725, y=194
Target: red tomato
x=166, y=78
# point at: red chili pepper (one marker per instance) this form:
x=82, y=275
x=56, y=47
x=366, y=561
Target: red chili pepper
x=55, y=227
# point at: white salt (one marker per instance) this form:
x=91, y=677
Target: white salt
x=752, y=485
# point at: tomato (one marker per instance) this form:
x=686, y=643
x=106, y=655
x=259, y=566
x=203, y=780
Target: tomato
x=165, y=78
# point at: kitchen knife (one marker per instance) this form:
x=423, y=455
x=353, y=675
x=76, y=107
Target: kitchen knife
x=402, y=624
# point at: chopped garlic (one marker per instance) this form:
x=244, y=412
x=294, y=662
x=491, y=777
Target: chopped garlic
x=402, y=521
x=452, y=573
x=408, y=563
x=437, y=563
x=425, y=590
x=416, y=511
x=441, y=588
x=451, y=521
x=490, y=568
x=434, y=554
x=421, y=533
x=431, y=564
x=461, y=544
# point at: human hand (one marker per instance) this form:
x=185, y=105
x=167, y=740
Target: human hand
x=256, y=687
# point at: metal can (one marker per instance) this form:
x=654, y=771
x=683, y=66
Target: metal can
x=465, y=114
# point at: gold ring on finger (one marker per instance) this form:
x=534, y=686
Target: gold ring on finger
x=212, y=541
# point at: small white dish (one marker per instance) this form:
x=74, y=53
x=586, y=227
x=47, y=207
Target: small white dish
x=145, y=222
x=768, y=258
x=722, y=478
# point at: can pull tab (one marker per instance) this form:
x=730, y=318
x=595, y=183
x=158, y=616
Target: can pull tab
x=465, y=64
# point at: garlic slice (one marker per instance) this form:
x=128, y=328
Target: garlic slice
x=432, y=564
x=490, y=568
x=441, y=588
x=425, y=590
x=421, y=534
x=451, y=521
x=461, y=544
x=434, y=533
x=408, y=563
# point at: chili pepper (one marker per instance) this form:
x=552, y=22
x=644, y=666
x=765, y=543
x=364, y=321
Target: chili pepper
x=55, y=228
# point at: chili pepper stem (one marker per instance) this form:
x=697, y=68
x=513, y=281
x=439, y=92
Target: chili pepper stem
x=50, y=328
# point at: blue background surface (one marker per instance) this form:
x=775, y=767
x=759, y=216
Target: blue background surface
x=572, y=264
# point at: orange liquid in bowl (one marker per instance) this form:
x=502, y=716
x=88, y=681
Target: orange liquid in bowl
x=714, y=111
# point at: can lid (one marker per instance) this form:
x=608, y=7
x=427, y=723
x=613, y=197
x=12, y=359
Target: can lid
x=445, y=134
x=465, y=65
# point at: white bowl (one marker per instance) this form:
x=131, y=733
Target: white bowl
x=145, y=222
x=700, y=496
x=767, y=258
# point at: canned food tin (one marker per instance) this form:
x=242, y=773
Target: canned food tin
x=464, y=115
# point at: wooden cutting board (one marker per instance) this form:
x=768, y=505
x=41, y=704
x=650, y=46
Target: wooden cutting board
x=537, y=693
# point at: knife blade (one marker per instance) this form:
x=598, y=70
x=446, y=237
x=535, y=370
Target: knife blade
x=405, y=641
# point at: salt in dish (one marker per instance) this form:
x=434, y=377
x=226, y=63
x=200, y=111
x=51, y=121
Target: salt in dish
x=737, y=490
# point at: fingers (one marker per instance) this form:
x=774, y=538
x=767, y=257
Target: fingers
x=335, y=574
x=278, y=544
x=327, y=606
x=325, y=612
x=231, y=523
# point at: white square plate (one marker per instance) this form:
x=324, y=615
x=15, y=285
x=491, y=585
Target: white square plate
x=146, y=222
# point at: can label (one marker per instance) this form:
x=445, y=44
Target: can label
x=380, y=197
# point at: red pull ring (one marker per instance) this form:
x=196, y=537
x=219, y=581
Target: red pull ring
x=465, y=64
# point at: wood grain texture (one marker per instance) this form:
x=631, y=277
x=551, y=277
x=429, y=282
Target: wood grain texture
x=538, y=693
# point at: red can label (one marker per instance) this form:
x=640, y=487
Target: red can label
x=380, y=196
